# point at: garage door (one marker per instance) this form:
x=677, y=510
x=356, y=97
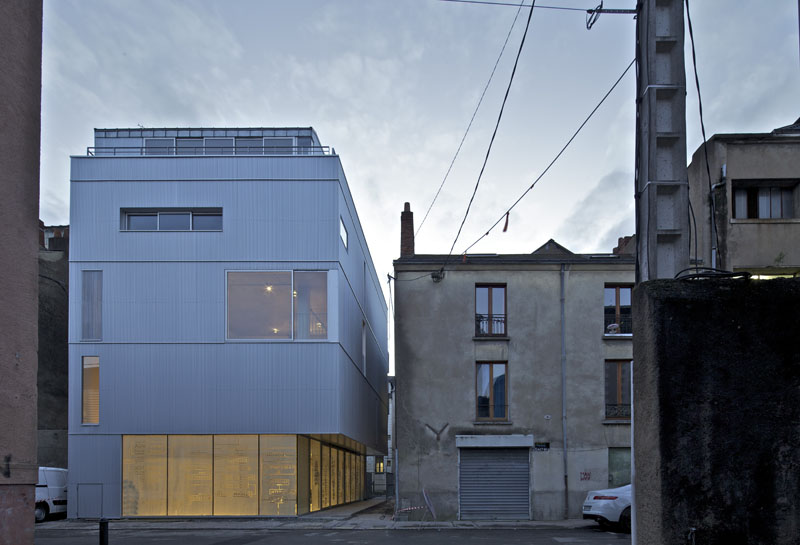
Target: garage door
x=494, y=484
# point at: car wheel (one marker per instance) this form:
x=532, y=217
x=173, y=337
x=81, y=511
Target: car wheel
x=41, y=512
x=625, y=520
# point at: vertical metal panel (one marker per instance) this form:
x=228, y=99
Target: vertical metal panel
x=94, y=460
x=494, y=484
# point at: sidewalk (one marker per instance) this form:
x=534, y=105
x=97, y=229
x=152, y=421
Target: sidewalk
x=345, y=517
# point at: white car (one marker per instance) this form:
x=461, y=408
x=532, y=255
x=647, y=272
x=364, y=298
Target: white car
x=51, y=492
x=609, y=506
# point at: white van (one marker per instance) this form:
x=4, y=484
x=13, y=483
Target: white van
x=51, y=492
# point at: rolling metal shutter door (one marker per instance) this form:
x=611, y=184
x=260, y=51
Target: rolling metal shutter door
x=494, y=484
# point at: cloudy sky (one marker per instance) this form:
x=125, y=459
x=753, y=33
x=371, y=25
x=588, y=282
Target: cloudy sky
x=392, y=85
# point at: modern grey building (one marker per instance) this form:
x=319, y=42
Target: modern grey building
x=228, y=334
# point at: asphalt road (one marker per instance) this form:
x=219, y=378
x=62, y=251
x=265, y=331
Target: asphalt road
x=587, y=536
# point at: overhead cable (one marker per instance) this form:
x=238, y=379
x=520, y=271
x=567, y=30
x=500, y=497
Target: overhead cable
x=514, y=22
x=554, y=159
x=703, y=131
x=494, y=134
x=486, y=3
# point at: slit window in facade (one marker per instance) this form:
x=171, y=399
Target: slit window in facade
x=617, y=309
x=90, y=402
x=618, y=389
x=91, y=305
x=490, y=310
x=343, y=232
x=492, y=391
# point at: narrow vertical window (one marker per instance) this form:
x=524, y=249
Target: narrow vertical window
x=491, y=391
x=490, y=310
x=364, y=347
x=91, y=305
x=90, y=390
x=618, y=389
x=343, y=232
x=310, y=296
x=617, y=310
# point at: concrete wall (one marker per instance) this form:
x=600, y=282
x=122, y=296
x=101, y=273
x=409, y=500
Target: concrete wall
x=20, y=92
x=436, y=356
x=716, y=385
x=746, y=243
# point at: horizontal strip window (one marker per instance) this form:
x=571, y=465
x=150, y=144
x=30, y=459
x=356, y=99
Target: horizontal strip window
x=206, y=219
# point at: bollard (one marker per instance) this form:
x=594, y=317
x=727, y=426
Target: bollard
x=103, y=531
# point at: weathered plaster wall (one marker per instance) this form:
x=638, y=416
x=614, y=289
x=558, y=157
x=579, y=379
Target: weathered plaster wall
x=717, y=417
x=435, y=358
x=20, y=91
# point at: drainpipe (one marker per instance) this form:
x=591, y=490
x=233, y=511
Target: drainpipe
x=564, y=389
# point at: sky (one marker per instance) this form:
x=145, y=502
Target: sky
x=392, y=86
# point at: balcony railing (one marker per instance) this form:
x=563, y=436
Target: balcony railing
x=617, y=327
x=618, y=411
x=157, y=151
x=490, y=324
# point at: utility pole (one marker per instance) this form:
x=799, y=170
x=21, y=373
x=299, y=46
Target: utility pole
x=662, y=186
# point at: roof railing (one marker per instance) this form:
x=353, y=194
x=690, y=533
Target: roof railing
x=156, y=151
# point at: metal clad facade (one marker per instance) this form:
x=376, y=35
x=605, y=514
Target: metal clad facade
x=494, y=484
x=166, y=366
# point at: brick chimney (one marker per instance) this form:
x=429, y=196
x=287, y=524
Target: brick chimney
x=407, y=231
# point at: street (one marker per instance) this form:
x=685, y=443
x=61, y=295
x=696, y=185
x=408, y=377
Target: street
x=429, y=536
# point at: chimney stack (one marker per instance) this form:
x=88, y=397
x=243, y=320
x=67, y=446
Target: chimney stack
x=407, y=231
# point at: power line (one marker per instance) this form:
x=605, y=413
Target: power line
x=494, y=134
x=703, y=131
x=514, y=22
x=554, y=159
x=486, y=3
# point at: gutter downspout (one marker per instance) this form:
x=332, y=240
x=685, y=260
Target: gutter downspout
x=564, y=388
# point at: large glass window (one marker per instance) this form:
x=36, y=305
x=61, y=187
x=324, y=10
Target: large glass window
x=189, y=475
x=260, y=305
x=753, y=200
x=490, y=310
x=236, y=475
x=617, y=309
x=310, y=305
x=91, y=305
x=492, y=391
x=315, y=473
x=618, y=389
x=278, y=146
x=90, y=390
x=278, y=475
x=144, y=475
x=142, y=222
x=271, y=305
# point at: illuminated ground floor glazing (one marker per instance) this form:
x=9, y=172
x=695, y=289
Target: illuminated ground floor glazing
x=236, y=475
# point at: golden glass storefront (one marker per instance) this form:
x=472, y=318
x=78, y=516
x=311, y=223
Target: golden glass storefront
x=236, y=475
